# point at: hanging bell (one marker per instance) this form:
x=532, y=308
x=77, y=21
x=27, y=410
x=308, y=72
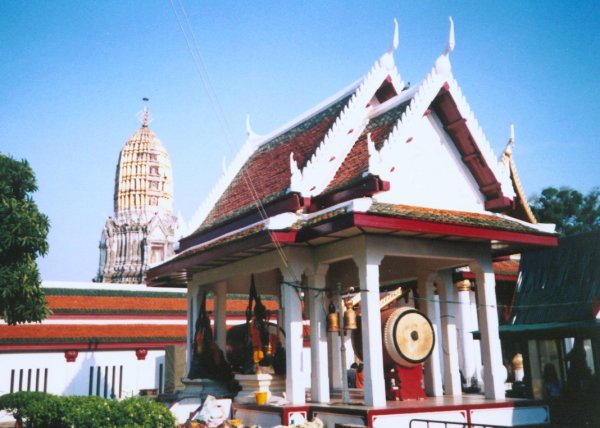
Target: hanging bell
x=333, y=322
x=350, y=316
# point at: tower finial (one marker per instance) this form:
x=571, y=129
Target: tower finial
x=144, y=116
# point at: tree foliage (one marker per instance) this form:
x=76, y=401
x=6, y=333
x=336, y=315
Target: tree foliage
x=570, y=210
x=23, y=231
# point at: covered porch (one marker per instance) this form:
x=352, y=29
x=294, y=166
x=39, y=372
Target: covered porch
x=359, y=252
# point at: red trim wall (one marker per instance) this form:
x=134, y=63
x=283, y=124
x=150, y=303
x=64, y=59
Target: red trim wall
x=85, y=346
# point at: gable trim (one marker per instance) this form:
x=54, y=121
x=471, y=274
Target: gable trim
x=456, y=127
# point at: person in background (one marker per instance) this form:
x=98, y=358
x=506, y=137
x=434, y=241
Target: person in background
x=351, y=374
x=360, y=376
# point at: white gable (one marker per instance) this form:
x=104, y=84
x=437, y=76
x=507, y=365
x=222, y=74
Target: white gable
x=420, y=160
x=428, y=171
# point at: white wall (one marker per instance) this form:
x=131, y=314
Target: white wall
x=74, y=378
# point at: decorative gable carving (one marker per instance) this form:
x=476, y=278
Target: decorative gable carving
x=382, y=79
x=401, y=159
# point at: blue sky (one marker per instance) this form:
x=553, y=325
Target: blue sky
x=73, y=74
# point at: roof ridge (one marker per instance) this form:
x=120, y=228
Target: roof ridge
x=329, y=155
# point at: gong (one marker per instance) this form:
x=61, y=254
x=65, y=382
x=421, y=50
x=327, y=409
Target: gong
x=408, y=336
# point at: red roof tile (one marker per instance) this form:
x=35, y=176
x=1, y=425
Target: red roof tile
x=268, y=169
x=69, y=333
x=357, y=161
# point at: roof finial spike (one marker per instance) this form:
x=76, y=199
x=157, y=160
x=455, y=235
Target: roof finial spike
x=451, y=40
x=144, y=116
x=442, y=64
x=395, y=39
x=507, y=154
x=250, y=134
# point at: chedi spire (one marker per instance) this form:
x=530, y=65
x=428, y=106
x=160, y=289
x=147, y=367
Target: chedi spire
x=142, y=230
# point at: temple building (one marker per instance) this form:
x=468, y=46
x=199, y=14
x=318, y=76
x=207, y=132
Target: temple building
x=142, y=230
x=378, y=187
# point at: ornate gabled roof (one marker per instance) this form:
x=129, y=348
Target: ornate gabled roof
x=356, y=164
x=266, y=174
x=297, y=160
x=349, y=147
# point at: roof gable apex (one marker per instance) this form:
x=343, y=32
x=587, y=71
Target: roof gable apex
x=491, y=176
x=321, y=168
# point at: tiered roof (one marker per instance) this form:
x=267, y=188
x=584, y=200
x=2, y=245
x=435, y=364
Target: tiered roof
x=110, y=316
x=284, y=187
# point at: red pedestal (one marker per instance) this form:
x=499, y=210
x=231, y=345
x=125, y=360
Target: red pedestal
x=406, y=383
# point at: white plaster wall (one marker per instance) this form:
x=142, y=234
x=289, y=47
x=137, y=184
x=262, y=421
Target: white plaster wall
x=73, y=378
x=428, y=172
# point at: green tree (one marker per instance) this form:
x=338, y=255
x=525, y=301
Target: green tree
x=23, y=231
x=570, y=210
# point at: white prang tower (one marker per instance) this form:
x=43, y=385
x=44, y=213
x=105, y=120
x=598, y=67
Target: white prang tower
x=142, y=231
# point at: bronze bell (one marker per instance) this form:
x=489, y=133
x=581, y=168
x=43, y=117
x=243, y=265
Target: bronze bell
x=333, y=322
x=350, y=316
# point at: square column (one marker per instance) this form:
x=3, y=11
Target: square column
x=432, y=367
x=292, y=324
x=452, y=384
x=220, y=292
x=318, y=338
x=368, y=272
x=491, y=351
x=192, y=316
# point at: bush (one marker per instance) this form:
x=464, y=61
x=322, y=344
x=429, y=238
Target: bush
x=37, y=410
x=143, y=412
x=21, y=404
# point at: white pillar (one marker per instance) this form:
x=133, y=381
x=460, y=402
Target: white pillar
x=292, y=320
x=432, y=367
x=473, y=319
x=335, y=362
x=220, y=291
x=491, y=351
x=452, y=384
x=318, y=337
x=465, y=337
x=437, y=323
x=368, y=272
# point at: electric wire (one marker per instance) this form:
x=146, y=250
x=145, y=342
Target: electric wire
x=203, y=72
x=199, y=65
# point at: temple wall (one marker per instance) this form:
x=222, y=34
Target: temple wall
x=28, y=369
